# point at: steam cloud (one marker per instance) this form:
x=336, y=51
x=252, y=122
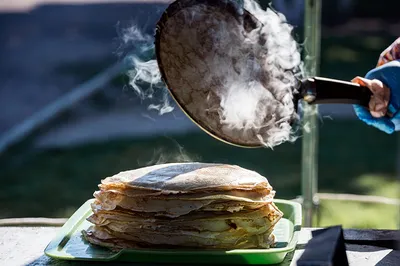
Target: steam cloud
x=164, y=155
x=258, y=74
x=260, y=98
x=144, y=75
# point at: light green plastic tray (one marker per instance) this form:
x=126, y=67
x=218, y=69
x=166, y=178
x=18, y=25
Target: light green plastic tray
x=69, y=244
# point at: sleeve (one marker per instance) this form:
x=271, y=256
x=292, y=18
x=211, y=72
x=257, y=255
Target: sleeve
x=391, y=53
x=389, y=74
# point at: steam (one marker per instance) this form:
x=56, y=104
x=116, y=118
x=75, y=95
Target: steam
x=234, y=74
x=260, y=97
x=144, y=75
x=175, y=154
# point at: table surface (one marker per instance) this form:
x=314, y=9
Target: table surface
x=25, y=245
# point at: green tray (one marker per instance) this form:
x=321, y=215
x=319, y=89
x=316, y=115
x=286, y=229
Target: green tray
x=69, y=244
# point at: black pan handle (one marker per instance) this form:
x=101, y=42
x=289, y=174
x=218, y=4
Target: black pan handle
x=318, y=90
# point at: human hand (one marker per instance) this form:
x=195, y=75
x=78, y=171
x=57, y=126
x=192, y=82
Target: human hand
x=380, y=96
x=384, y=82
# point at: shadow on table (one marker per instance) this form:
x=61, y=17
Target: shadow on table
x=44, y=260
x=392, y=258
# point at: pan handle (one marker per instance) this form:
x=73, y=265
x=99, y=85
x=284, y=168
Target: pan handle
x=318, y=90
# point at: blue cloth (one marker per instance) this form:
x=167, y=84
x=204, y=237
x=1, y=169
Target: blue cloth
x=388, y=74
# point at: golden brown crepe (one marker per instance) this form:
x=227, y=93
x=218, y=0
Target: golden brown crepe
x=184, y=205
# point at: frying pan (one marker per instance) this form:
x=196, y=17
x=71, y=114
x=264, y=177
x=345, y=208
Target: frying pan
x=203, y=47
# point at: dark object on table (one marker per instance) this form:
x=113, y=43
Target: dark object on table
x=327, y=247
x=389, y=239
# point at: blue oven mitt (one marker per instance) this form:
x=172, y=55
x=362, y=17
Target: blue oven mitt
x=388, y=74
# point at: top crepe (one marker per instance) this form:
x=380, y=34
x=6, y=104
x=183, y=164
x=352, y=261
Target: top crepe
x=187, y=177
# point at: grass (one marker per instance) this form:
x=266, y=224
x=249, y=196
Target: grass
x=353, y=158
x=364, y=215
x=358, y=215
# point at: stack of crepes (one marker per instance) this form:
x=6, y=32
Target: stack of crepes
x=184, y=205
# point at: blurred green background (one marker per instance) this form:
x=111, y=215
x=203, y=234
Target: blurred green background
x=353, y=157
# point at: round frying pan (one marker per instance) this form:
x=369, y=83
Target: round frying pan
x=235, y=70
